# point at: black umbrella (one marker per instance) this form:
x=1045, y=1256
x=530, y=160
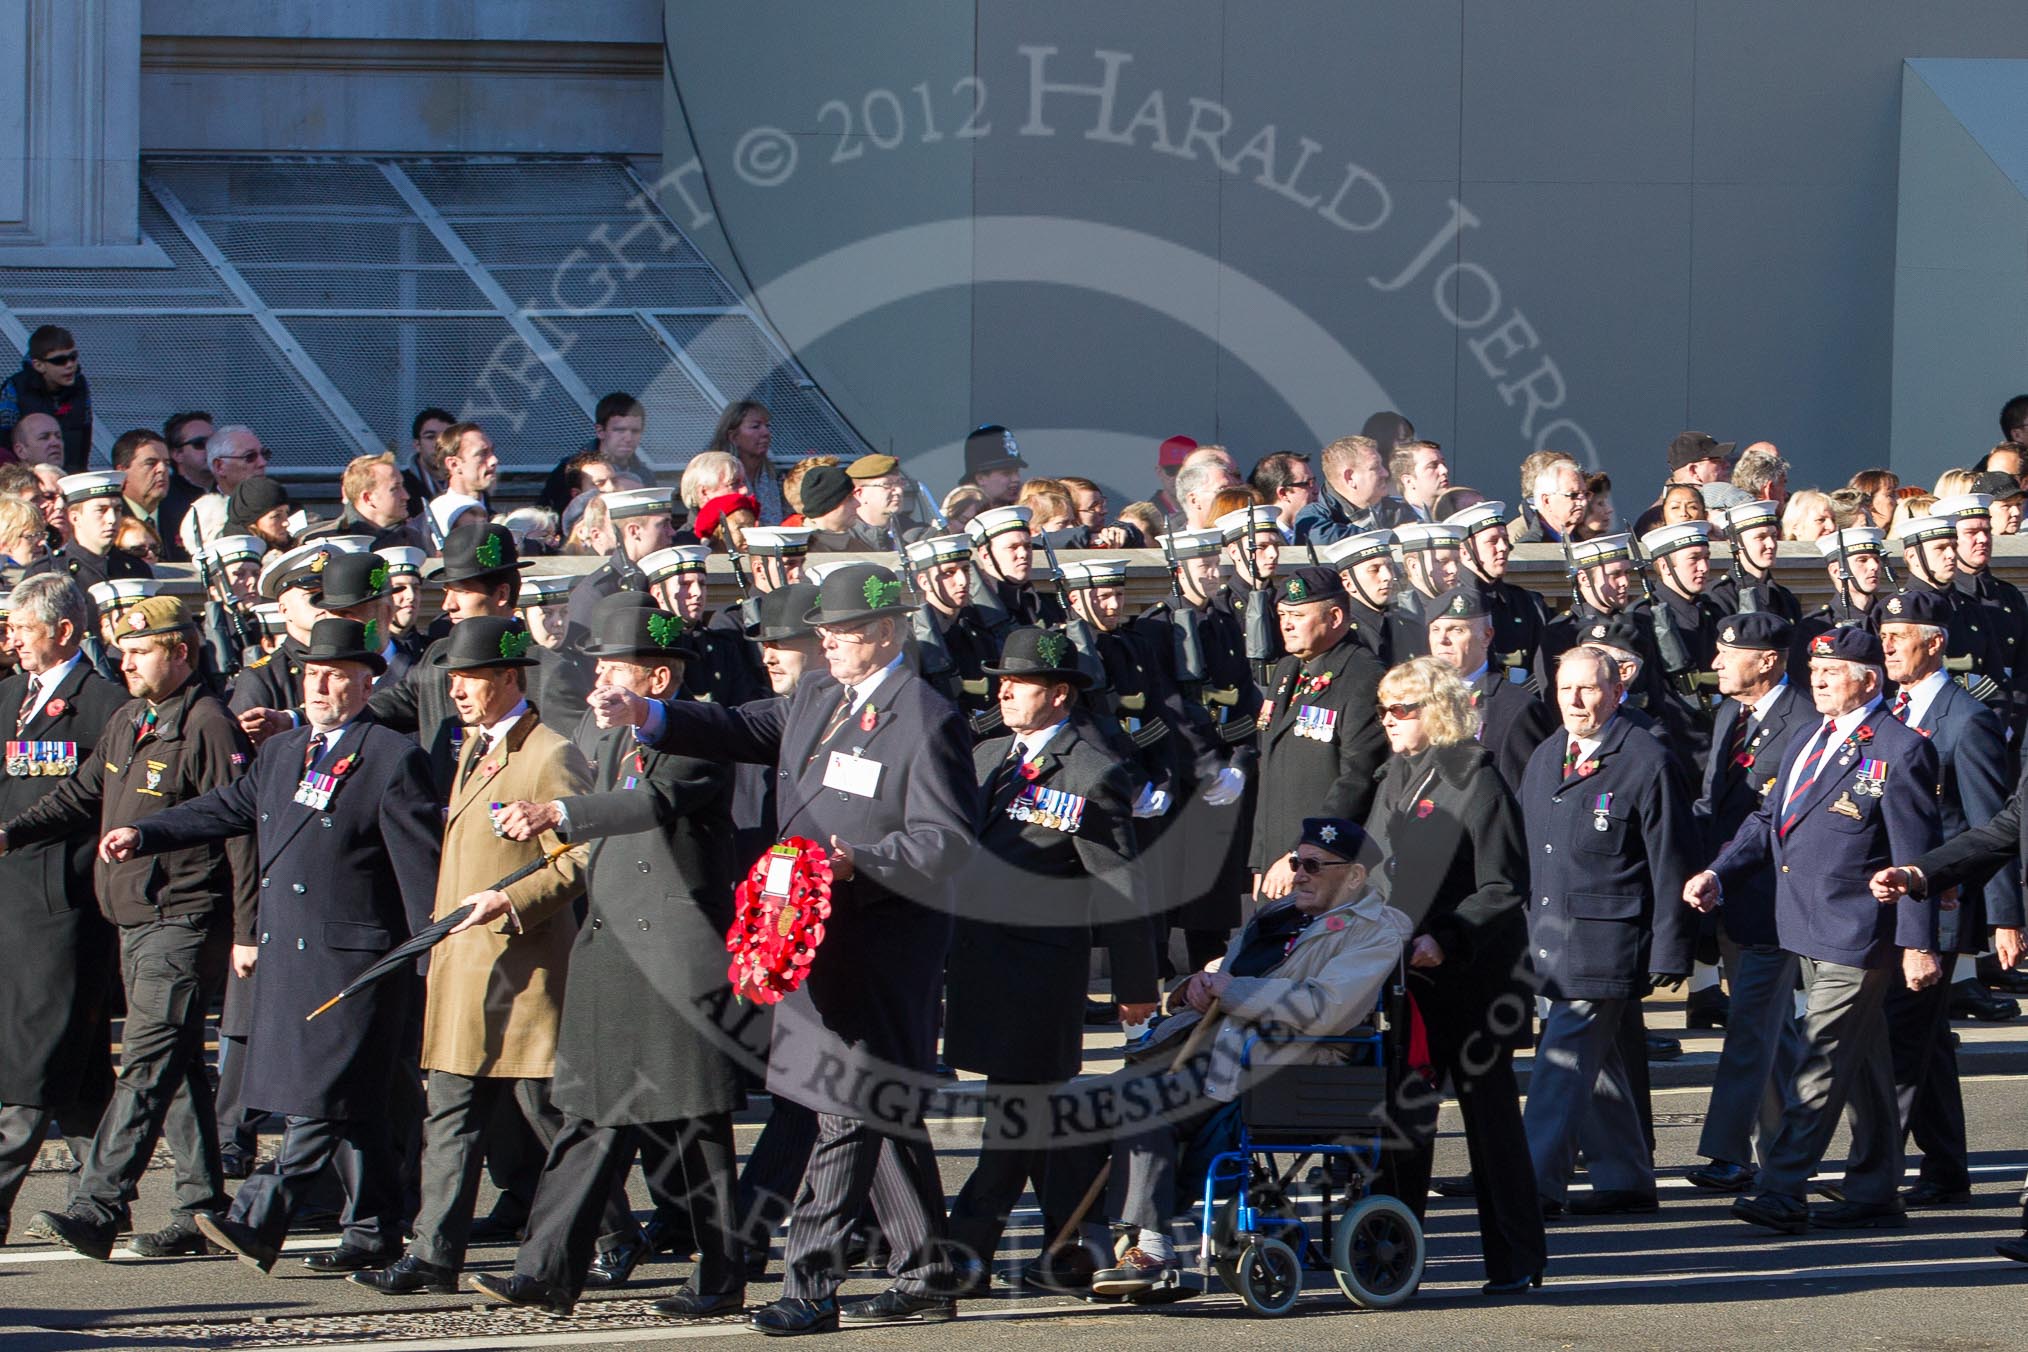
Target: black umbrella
x=423, y=940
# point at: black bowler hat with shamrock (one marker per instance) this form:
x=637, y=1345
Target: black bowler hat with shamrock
x=854, y=593
x=488, y=641
x=1045, y=654
x=353, y=580
x=335, y=639
x=478, y=550
x=631, y=633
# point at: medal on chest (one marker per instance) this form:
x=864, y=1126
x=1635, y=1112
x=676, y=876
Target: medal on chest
x=1870, y=779
x=1054, y=808
x=1317, y=724
x=317, y=787
x=34, y=760
x=1601, y=812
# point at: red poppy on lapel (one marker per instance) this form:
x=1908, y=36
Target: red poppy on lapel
x=1862, y=734
x=1424, y=807
x=1744, y=760
x=1586, y=769
x=1337, y=922
x=54, y=707
x=1030, y=771
x=868, y=717
x=338, y=770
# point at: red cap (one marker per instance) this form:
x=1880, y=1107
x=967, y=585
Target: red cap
x=716, y=510
x=1175, y=451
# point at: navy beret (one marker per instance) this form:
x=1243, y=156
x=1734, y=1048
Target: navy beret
x=1335, y=835
x=1918, y=606
x=1761, y=630
x=1849, y=643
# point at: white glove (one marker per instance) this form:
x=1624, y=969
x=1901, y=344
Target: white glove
x=1153, y=802
x=1227, y=788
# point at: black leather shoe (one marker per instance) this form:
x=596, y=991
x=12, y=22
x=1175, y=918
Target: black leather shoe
x=692, y=1304
x=1970, y=1000
x=612, y=1267
x=792, y=1315
x=897, y=1307
x=497, y=1228
x=351, y=1258
x=1859, y=1216
x=866, y=1249
x=523, y=1293
x=971, y=1279
x=1926, y=1194
x=1519, y=1286
x=1613, y=1202
x=1707, y=1008
x=74, y=1231
x=241, y=1241
x=672, y=1237
x=2006, y=980
x=2016, y=1249
x=1551, y=1208
x=1662, y=1048
x=1067, y=1272
x=1722, y=1176
x=177, y=1239
x=407, y=1275
x=235, y=1164
x=757, y=1262
x=1776, y=1211
x=1455, y=1187
x=1832, y=1192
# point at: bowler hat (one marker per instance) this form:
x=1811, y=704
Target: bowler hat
x=337, y=639
x=1039, y=652
x=476, y=550
x=782, y=611
x=858, y=591
x=353, y=580
x=487, y=641
x=635, y=631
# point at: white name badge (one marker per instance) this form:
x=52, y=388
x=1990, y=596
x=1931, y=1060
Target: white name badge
x=852, y=774
x=781, y=871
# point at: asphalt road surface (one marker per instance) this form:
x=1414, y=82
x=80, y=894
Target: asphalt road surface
x=1689, y=1277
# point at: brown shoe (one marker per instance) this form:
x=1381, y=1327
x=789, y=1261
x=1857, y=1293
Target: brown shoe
x=1137, y=1275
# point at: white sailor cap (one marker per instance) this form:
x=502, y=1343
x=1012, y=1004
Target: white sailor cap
x=816, y=570
x=1601, y=549
x=1417, y=536
x=348, y=544
x=1088, y=573
x=122, y=592
x=98, y=483
x=1855, y=540
x=234, y=549
x=1961, y=505
x=1342, y=554
x=626, y=502
x=666, y=563
x=1919, y=528
x=1747, y=516
x=1475, y=518
x=997, y=521
x=445, y=509
x=932, y=550
x=544, y=589
x=1192, y=544
x=269, y=614
x=301, y=566
x=403, y=559
x=778, y=541
x=1668, y=539
x=1259, y=515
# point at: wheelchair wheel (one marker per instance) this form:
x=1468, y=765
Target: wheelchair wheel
x=1377, y=1253
x=1268, y=1276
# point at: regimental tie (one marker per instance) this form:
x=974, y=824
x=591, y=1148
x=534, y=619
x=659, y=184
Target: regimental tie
x=1569, y=757
x=838, y=718
x=1900, y=709
x=145, y=724
x=29, y=704
x=1806, y=774
x=1735, y=746
x=315, y=749
x=480, y=743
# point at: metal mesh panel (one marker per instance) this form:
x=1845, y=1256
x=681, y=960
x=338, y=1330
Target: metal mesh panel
x=550, y=236
x=390, y=367
x=736, y=357
x=145, y=367
x=524, y=188
x=276, y=188
x=618, y=352
x=298, y=288
x=190, y=282
x=549, y=288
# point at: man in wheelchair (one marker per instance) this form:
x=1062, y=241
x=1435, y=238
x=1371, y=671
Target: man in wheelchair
x=1310, y=965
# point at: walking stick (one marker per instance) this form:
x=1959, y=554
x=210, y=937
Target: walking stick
x=1091, y=1194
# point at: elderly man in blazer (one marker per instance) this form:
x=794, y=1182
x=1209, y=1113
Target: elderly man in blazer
x=1854, y=794
x=1971, y=750
x=874, y=766
x=1054, y=874
x=496, y=982
x=1763, y=712
x=1610, y=840
x=347, y=829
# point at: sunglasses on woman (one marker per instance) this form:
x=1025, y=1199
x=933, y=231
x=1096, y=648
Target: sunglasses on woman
x=1401, y=713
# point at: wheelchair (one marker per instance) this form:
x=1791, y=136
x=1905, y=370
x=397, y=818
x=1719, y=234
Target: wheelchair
x=1254, y=1238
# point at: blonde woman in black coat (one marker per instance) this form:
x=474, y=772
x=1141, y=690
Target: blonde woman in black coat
x=1450, y=834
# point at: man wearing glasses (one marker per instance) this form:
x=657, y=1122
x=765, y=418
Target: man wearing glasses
x=234, y=454
x=51, y=381
x=188, y=435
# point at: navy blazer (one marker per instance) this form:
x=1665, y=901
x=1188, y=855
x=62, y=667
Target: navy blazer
x=1823, y=908
x=1732, y=793
x=1605, y=905
x=866, y=1017
x=1971, y=749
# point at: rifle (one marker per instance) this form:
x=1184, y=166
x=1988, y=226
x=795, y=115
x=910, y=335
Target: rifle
x=1080, y=632
x=1845, y=584
x=1260, y=625
x=1749, y=596
x=929, y=507
x=1189, y=637
x=1669, y=647
x=749, y=604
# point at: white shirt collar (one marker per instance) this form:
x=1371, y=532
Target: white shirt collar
x=1031, y=743
x=1767, y=701
x=1587, y=747
x=1923, y=694
x=331, y=737
x=42, y=687
x=499, y=730
x=1479, y=675
x=865, y=689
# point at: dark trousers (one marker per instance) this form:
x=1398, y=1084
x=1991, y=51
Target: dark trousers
x=461, y=1109
x=236, y=1125
x=1059, y=1178
x=585, y=1171
x=852, y=1163
x=774, y=1169
x=170, y=969
x=23, y=1128
x=1480, y=1067
x=1926, y=1085
x=363, y=1158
